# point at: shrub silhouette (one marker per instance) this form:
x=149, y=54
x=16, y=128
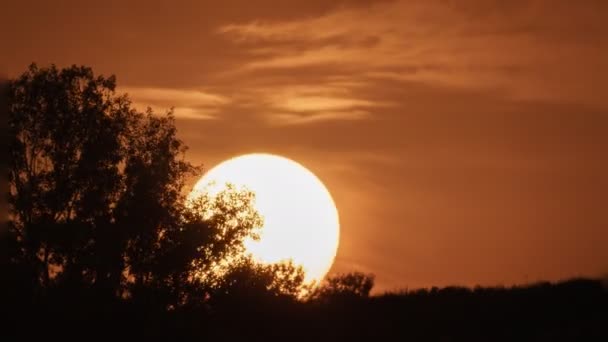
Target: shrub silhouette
x=345, y=287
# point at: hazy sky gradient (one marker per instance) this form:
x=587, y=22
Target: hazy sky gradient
x=464, y=142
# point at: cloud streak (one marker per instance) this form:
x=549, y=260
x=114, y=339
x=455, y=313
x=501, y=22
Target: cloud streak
x=186, y=103
x=511, y=48
x=309, y=118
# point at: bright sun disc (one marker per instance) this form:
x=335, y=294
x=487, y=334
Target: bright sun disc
x=300, y=218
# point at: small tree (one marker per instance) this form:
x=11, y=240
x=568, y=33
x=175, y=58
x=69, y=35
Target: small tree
x=354, y=285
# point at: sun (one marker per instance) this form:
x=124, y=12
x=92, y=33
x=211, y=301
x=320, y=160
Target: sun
x=301, y=220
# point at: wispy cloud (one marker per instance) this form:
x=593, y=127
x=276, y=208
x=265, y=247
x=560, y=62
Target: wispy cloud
x=510, y=47
x=186, y=103
x=330, y=100
x=322, y=103
x=308, y=118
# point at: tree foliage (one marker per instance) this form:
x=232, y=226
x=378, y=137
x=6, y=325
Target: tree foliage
x=97, y=199
x=347, y=286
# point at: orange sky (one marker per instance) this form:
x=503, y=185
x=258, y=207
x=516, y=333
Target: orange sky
x=464, y=142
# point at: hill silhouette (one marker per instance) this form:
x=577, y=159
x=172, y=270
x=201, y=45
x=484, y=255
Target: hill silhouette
x=101, y=243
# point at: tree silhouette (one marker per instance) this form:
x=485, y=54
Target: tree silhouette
x=66, y=143
x=97, y=202
x=349, y=286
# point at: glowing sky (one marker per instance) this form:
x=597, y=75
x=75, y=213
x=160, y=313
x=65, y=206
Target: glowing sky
x=464, y=142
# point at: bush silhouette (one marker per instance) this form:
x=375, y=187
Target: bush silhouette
x=345, y=287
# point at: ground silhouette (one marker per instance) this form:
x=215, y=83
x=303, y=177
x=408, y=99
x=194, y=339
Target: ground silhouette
x=102, y=243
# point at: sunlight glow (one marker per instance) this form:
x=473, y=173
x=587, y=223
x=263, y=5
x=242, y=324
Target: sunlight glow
x=300, y=218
